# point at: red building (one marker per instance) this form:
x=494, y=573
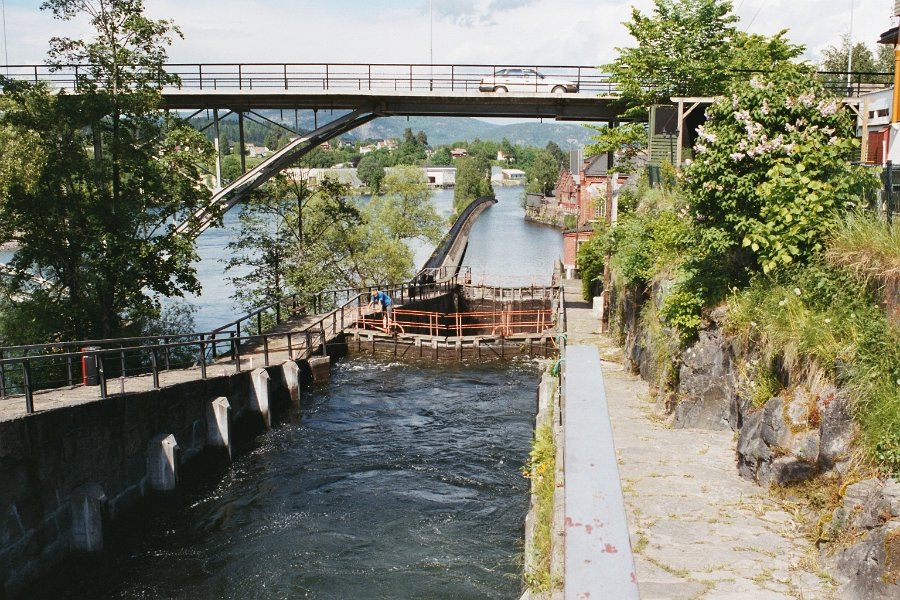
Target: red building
x=588, y=194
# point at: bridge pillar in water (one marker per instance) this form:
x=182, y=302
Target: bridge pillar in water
x=290, y=376
x=218, y=420
x=163, y=456
x=88, y=508
x=259, y=394
x=320, y=366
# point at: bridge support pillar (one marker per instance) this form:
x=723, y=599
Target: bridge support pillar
x=218, y=421
x=163, y=458
x=88, y=508
x=321, y=368
x=290, y=376
x=259, y=394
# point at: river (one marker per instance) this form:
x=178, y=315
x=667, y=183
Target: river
x=394, y=481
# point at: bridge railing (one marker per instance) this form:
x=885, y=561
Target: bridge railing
x=27, y=369
x=385, y=77
x=326, y=77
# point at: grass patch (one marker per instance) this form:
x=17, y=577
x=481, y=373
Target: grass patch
x=541, y=469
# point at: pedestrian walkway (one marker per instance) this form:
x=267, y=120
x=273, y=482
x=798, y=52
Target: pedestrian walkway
x=697, y=529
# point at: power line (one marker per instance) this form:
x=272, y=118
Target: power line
x=758, y=10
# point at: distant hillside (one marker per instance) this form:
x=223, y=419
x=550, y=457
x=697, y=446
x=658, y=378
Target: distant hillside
x=442, y=131
x=446, y=130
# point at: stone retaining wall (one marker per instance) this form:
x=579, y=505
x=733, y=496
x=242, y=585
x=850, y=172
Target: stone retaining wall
x=67, y=473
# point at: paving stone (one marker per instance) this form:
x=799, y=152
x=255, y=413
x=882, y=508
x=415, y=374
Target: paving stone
x=709, y=533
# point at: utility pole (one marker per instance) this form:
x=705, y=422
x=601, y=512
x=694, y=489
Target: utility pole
x=850, y=49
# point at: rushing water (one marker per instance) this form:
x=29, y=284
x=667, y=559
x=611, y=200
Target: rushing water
x=394, y=481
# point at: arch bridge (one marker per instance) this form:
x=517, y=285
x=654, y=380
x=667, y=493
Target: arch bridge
x=359, y=93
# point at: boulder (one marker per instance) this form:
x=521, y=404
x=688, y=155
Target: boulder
x=786, y=469
x=870, y=569
x=752, y=450
x=706, y=384
x=836, y=429
x=866, y=505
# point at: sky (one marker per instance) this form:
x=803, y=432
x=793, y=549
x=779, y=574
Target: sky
x=533, y=32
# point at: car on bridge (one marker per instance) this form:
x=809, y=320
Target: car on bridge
x=525, y=80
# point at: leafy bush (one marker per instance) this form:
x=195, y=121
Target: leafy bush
x=772, y=168
x=590, y=261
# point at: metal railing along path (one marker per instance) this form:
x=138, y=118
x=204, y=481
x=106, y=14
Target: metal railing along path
x=25, y=370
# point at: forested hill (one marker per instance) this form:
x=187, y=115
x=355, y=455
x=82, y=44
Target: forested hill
x=442, y=131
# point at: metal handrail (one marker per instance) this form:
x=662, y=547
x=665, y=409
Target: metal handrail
x=395, y=77
x=200, y=348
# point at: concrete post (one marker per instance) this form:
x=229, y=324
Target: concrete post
x=321, y=368
x=290, y=376
x=259, y=394
x=88, y=507
x=163, y=456
x=218, y=421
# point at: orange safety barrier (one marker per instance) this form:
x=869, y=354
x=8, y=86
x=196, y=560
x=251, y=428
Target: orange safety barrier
x=503, y=323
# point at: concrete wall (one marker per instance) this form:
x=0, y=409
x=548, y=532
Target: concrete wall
x=67, y=472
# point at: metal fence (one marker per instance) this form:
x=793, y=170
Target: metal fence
x=27, y=369
x=335, y=77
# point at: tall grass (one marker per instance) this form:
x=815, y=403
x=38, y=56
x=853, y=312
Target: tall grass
x=823, y=324
x=868, y=247
x=541, y=468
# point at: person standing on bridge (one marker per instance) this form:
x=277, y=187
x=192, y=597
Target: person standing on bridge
x=387, y=307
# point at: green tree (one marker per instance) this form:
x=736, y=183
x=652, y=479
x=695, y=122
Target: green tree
x=293, y=239
x=542, y=174
x=441, y=157
x=834, y=58
x=370, y=171
x=626, y=141
x=689, y=48
x=403, y=213
x=473, y=180
x=96, y=225
x=772, y=170
x=561, y=157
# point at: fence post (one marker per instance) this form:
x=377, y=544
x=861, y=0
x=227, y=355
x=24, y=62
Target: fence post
x=237, y=354
x=202, y=358
x=290, y=349
x=265, y=350
x=2, y=377
x=212, y=338
x=101, y=372
x=68, y=366
x=154, y=366
x=122, y=361
x=166, y=353
x=888, y=187
x=29, y=393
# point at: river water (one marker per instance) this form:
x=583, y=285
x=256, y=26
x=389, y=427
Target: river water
x=394, y=481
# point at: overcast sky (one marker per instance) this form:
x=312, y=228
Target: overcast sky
x=539, y=32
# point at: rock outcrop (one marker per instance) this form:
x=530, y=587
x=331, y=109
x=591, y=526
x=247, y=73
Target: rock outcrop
x=869, y=568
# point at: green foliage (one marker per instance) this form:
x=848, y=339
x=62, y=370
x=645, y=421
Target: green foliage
x=627, y=141
x=99, y=180
x=542, y=173
x=834, y=58
x=590, y=262
x=772, y=169
x=541, y=469
x=689, y=48
x=868, y=247
x=813, y=318
x=473, y=180
x=293, y=239
x=370, y=169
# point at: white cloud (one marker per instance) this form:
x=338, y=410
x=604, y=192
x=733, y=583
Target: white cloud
x=538, y=32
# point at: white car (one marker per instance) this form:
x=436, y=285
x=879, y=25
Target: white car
x=525, y=80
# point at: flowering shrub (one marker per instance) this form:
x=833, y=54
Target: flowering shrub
x=772, y=167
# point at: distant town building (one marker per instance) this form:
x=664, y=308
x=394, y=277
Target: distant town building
x=257, y=151
x=459, y=153
x=441, y=176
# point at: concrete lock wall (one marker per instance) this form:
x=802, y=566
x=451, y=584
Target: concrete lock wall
x=67, y=472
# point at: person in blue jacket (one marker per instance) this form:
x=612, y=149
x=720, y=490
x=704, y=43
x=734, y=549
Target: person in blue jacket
x=387, y=306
